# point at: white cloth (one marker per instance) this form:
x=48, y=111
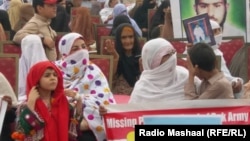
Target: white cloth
x=230, y=30
x=32, y=53
x=106, y=11
x=5, y=6
x=199, y=34
x=6, y=89
x=161, y=83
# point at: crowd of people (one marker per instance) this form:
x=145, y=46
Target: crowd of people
x=62, y=94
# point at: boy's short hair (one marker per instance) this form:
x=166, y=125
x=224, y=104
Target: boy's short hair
x=202, y=54
x=36, y=3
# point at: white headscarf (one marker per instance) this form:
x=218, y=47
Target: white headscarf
x=32, y=53
x=218, y=38
x=66, y=43
x=87, y=79
x=157, y=82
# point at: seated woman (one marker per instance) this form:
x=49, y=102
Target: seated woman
x=83, y=77
x=161, y=79
x=162, y=20
x=141, y=15
x=79, y=76
x=126, y=51
x=45, y=116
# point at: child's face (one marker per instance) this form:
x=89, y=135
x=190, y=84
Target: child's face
x=78, y=45
x=48, y=10
x=49, y=80
x=127, y=38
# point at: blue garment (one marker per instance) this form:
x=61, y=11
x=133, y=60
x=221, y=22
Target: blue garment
x=121, y=9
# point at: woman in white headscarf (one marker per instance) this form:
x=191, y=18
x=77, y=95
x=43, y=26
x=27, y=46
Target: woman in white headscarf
x=82, y=78
x=86, y=79
x=161, y=79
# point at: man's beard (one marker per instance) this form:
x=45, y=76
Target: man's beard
x=223, y=20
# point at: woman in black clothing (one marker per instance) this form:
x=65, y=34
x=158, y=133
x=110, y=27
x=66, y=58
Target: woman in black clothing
x=159, y=16
x=141, y=15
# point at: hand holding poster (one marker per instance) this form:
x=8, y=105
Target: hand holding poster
x=198, y=29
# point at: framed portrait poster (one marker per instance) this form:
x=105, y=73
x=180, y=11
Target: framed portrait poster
x=198, y=29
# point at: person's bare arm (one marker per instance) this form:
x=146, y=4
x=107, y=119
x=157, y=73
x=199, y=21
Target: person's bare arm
x=190, y=88
x=167, y=29
x=29, y=28
x=110, y=48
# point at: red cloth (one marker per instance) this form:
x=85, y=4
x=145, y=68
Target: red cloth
x=56, y=124
x=121, y=98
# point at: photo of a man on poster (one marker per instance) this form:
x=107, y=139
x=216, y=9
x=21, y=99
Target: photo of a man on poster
x=198, y=29
x=230, y=14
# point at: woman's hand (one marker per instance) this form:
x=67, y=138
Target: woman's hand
x=8, y=100
x=70, y=93
x=102, y=110
x=110, y=47
x=84, y=126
